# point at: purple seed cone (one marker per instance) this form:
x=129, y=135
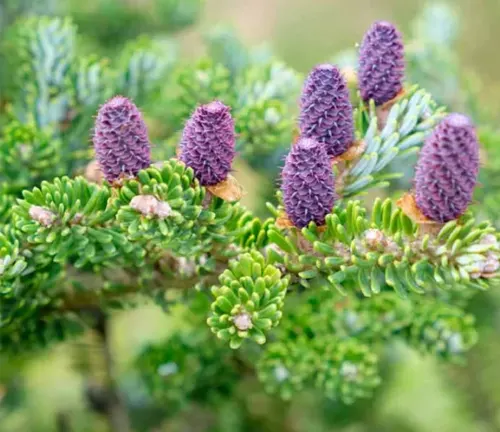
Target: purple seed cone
x=381, y=63
x=207, y=143
x=326, y=111
x=447, y=169
x=307, y=183
x=121, y=140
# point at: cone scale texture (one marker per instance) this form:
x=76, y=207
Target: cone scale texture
x=447, y=169
x=381, y=63
x=207, y=144
x=307, y=183
x=120, y=139
x=326, y=111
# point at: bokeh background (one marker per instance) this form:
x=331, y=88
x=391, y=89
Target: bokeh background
x=421, y=395
x=304, y=33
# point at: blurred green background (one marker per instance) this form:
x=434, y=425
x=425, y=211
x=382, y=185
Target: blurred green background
x=421, y=395
x=304, y=33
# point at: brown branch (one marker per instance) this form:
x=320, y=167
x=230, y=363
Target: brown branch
x=116, y=409
x=63, y=422
x=76, y=301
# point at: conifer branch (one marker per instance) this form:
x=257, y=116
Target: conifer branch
x=306, y=298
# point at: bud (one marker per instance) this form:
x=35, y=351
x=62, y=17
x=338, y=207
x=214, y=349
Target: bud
x=207, y=144
x=42, y=215
x=121, y=140
x=447, y=169
x=326, y=111
x=381, y=63
x=150, y=206
x=243, y=321
x=374, y=238
x=308, y=183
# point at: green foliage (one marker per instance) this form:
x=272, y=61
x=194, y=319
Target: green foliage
x=285, y=368
x=265, y=94
x=6, y=203
x=443, y=330
x=145, y=66
x=254, y=231
x=346, y=370
x=177, y=14
x=108, y=21
x=271, y=80
x=25, y=287
x=172, y=185
x=57, y=91
x=341, y=370
x=70, y=220
x=27, y=156
x=249, y=300
x=187, y=366
x=387, y=250
x=225, y=47
x=265, y=108
x=489, y=176
x=386, y=315
x=42, y=51
x=113, y=22
x=38, y=331
x=199, y=84
x=263, y=127
x=408, y=123
x=318, y=306
x=10, y=10
x=430, y=55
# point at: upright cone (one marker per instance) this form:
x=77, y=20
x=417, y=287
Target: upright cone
x=120, y=139
x=381, y=63
x=447, y=169
x=326, y=111
x=207, y=144
x=308, y=184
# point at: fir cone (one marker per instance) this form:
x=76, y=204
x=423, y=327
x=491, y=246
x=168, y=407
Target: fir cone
x=207, y=144
x=121, y=140
x=447, y=169
x=307, y=183
x=326, y=111
x=381, y=63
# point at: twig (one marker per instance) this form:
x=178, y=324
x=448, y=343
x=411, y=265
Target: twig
x=116, y=409
x=62, y=422
x=75, y=301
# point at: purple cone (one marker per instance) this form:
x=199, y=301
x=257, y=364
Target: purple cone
x=326, y=111
x=207, y=143
x=121, y=140
x=381, y=63
x=307, y=183
x=447, y=169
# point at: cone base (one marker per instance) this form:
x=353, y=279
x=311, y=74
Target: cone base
x=408, y=205
x=342, y=163
x=283, y=222
x=355, y=150
x=93, y=173
x=228, y=190
x=382, y=111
